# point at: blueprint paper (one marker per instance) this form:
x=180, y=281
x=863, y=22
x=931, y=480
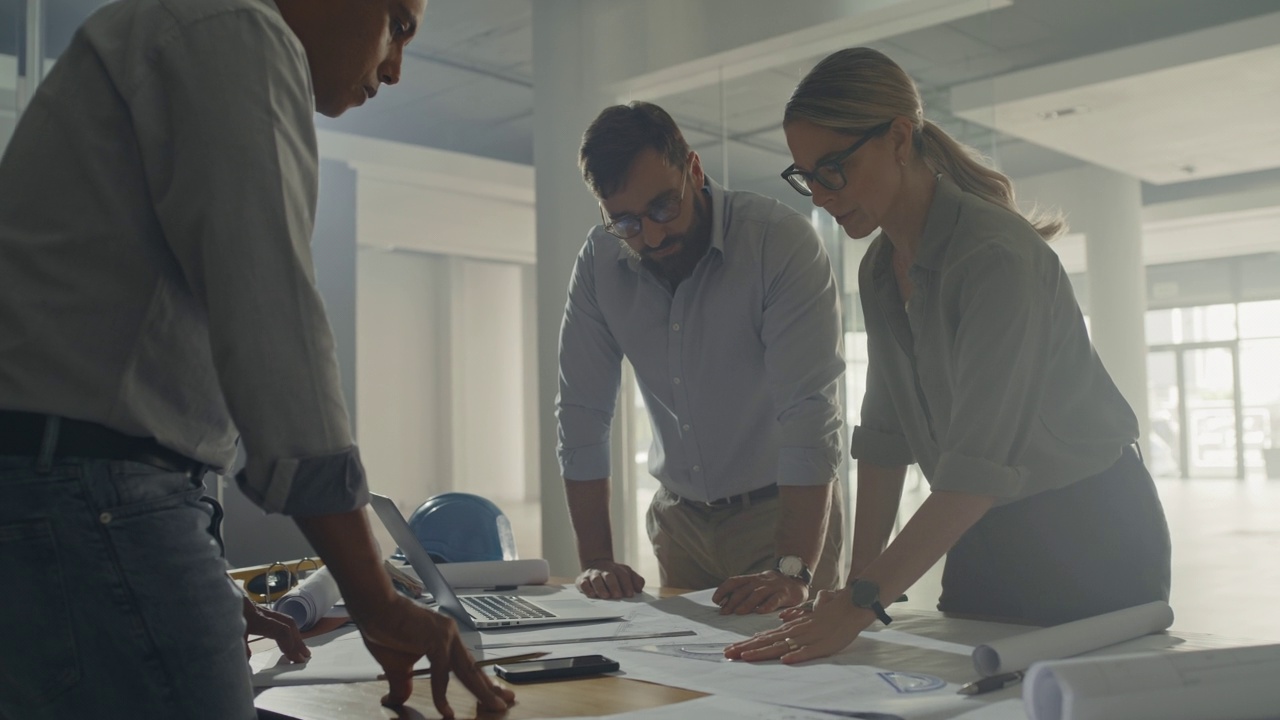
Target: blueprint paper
x=311, y=599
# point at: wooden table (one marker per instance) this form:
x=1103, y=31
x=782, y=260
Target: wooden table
x=608, y=695
x=560, y=698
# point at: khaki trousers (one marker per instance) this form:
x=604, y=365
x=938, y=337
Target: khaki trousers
x=700, y=546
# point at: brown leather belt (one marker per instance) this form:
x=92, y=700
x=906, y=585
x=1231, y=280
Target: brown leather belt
x=745, y=499
x=22, y=434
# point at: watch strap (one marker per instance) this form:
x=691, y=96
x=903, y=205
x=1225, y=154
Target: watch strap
x=878, y=608
x=866, y=594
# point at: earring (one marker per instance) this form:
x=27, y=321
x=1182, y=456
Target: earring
x=902, y=162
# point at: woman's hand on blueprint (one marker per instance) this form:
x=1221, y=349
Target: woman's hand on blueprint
x=807, y=632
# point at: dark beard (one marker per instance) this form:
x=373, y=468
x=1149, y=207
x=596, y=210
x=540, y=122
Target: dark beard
x=694, y=244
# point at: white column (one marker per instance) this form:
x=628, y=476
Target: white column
x=1106, y=207
x=333, y=251
x=568, y=96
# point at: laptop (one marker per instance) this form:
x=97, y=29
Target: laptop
x=483, y=612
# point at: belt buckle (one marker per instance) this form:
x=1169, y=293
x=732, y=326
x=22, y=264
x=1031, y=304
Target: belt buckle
x=723, y=502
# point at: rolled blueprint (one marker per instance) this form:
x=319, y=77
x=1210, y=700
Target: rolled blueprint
x=1229, y=684
x=488, y=573
x=1080, y=636
x=311, y=599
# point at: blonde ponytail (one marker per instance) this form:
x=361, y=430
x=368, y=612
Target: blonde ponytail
x=968, y=170
x=856, y=89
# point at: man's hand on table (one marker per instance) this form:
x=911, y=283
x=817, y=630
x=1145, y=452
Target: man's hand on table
x=277, y=626
x=609, y=580
x=398, y=635
x=762, y=592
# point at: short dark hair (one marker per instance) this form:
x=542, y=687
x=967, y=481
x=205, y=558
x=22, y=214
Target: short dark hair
x=620, y=133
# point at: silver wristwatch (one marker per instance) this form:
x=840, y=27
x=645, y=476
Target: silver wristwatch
x=793, y=567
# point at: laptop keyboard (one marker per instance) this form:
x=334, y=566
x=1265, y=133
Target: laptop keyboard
x=503, y=607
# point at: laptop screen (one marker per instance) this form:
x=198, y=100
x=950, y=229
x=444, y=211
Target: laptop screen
x=419, y=558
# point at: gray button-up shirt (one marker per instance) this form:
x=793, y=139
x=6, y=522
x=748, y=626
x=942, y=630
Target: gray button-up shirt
x=156, y=207
x=988, y=379
x=738, y=367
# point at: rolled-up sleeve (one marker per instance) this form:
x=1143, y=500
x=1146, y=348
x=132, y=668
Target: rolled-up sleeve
x=235, y=194
x=590, y=374
x=1001, y=350
x=801, y=334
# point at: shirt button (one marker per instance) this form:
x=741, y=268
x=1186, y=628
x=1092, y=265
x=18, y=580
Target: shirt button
x=675, y=380
x=685, y=428
x=675, y=326
x=697, y=468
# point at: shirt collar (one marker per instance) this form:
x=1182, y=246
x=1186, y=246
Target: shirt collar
x=944, y=213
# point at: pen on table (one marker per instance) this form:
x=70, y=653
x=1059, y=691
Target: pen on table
x=486, y=661
x=989, y=684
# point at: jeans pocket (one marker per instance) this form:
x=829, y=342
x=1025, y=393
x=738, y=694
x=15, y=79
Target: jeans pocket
x=39, y=660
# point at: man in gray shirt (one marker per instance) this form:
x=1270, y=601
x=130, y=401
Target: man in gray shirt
x=156, y=208
x=726, y=306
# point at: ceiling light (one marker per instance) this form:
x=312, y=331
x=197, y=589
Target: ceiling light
x=1064, y=112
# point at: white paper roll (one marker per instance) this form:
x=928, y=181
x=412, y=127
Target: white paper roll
x=311, y=599
x=1227, y=684
x=1068, y=639
x=533, y=571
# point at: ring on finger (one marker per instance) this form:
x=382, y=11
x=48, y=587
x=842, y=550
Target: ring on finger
x=792, y=645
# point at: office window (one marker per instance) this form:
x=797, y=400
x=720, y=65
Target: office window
x=1175, y=326
x=1260, y=319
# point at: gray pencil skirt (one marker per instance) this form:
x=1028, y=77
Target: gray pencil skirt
x=1097, y=545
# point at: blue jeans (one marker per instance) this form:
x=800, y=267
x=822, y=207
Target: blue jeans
x=116, y=600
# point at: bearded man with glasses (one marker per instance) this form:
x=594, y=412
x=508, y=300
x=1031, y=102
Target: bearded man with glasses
x=726, y=305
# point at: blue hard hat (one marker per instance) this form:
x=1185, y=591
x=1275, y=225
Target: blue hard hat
x=461, y=527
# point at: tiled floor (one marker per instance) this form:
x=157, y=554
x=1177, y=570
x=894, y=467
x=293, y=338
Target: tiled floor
x=1226, y=554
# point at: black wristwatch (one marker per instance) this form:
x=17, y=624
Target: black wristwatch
x=866, y=594
x=793, y=567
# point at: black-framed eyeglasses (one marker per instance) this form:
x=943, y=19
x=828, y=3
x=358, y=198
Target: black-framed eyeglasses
x=663, y=210
x=830, y=172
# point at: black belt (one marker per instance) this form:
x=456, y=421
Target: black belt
x=747, y=498
x=22, y=434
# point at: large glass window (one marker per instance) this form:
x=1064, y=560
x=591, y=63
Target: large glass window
x=1164, y=396
x=1213, y=375
x=1260, y=320
x=1260, y=398
x=1175, y=326
x=1209, y=389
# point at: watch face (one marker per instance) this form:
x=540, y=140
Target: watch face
x=791, y=565
x=864, y=593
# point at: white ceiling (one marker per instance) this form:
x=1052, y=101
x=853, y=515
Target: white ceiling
x=467, y=86
x=1197, y=105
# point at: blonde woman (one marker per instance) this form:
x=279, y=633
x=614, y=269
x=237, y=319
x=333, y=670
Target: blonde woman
x=980, y=370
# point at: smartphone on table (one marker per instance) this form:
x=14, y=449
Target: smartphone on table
x=552, y=668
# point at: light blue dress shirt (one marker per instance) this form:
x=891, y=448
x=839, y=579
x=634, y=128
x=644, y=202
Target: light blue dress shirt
x=738, y=367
